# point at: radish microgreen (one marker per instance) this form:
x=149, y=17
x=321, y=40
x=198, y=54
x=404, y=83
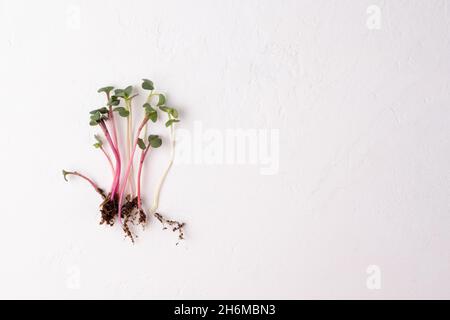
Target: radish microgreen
x=118, y=203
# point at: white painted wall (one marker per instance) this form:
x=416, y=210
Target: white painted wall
x=363, y=118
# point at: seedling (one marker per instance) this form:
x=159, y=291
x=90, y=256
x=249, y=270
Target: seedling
x=172, y=118
x=124, y=201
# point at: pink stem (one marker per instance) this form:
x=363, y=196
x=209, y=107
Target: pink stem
x=113, y=122
x=117, y=156
x=116, y=144
x=141, y=163
x=93, y=184
x=114, y=129
x=127, y=172
x=109, y=159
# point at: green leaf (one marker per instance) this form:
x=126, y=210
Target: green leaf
x=105, y=90
x=153, y=115
x=119, y=93
x=96, y=116
x=113, y=101
x=161, y=100
x=103, y=110
x=122, y=111
x=173, y=112
x=65, y=173
x=155, y=141
x=128, y=90
x=165, y=109
x=171, y=121
x=150, y=112
x=147, y=84
x=141, y=144
x=98, y=139
x=93, y=123
x=97, y=145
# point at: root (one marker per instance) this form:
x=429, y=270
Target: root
x=130, y=213
x=133, y=215
x=142, y=217
x=108, y=210
x=175, y=225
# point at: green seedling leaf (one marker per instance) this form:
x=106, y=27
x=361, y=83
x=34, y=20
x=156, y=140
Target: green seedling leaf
x=113, y=101
x=122, y=111
x=141, y=144
x=165, y=109
x=153, y=115
x=155, y=141
x=173, y=112
x=65, y=173
x=171, y=121
x=99, y=142
x=96, y=116
x=161, y=100
x=119, y=93
x=106, y=90
x=128, y=90
x=103, y=110
x=97, y=137
x=150, y=112
x=147, y=84
x=93, y=123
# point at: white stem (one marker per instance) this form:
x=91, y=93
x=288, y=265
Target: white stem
x=163, y=177
x=144, y=136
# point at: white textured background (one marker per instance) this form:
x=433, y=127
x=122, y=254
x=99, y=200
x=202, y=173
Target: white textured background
x=364, y=174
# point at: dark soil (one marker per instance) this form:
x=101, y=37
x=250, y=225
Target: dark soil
x=142, y=217
x=130, y=214
x=175, y=225
x=108, y=209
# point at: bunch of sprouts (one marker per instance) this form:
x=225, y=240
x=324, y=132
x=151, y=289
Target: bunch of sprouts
x=123, y=202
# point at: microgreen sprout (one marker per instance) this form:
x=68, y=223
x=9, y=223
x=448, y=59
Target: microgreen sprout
x=126, y=112
x=172, y=118
x=154, y=141
x=122, y=202
x=91, y=182
x=99, y=145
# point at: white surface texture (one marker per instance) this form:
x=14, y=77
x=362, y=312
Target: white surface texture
x=363, y=116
